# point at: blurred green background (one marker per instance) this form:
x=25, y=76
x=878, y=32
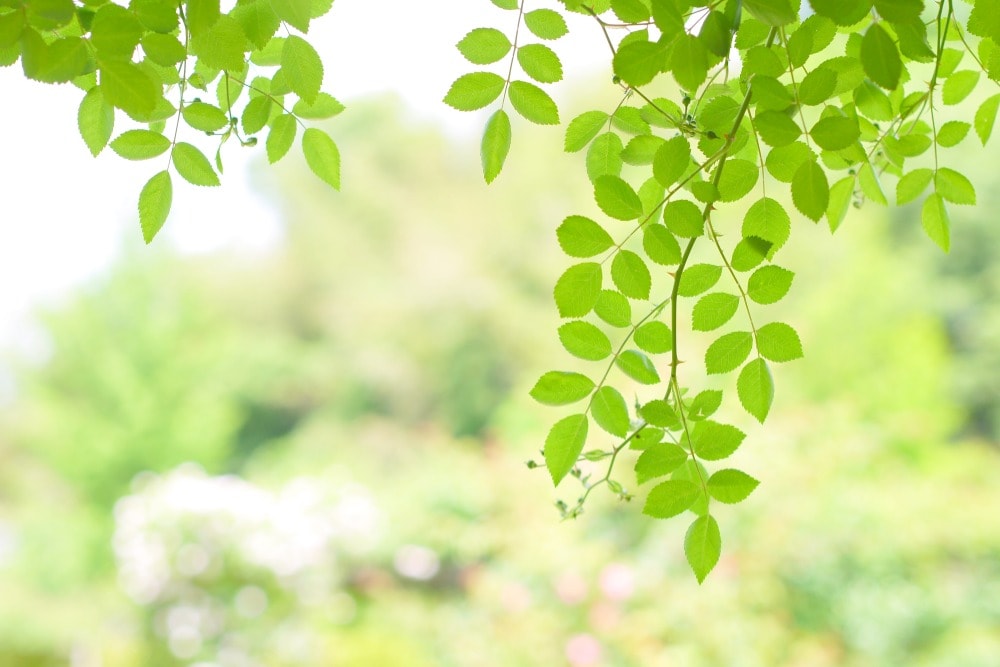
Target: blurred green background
x=314, y=455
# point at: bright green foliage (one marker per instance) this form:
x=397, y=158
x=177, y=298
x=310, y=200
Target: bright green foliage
x=694, y=182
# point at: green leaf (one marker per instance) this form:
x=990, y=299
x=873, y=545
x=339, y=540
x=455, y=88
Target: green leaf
x=540, y=63
x=192, y=165
x=157, y=15
x=810, y=190
x=755, y=388
x=533, y=103
x=818, y=86
x=638, y=63
x=671, y=160
x=617, y=198
x=163, y=50
x=604, y=156
x=767, y=219
x=880, y=57
x=654, y=337
x=484, y=46
x=154, y=204
x=609, y=410
x=630, y=274
x=630, y=11
x=256, y=114
x=474, y=91
x=62, y=60
x=546, y=23
x=562, y=388
x=703, y=546
x=201, y=15
x=769, y=284
x=660, y=245
x=698, y=278
x=322, y=156
x=281, y=137
x=778, y=342
x=582, y=129
x=705, y=404
x=115, y=32
x=96, y=120
x=731, y=486
x=986, y=116
x=659, y=460
x=689, y=62
x=296, y=13
x=204, y=117
x=772, y=12
x=140, y=144
x=223, y=46
x=776, y=128
x=48, y=14
x=728, y=352
x=737, y=180
x=954, y=186
x=577, y=289
x=834, y=133
x=684, y=218
x=958, y=86
x=584, y=340
x=302, y=67
x=713, y=441
x=659, y=413
x=582, y=237
x=637, y=366
x=505, y=4
x=841, y=195
x=258, y=21
x=912, y=185
x=495, y=145
x=714, y=310
x=11, y=26
x=613, y=308
x=324, y=106
x=564, y=444
x=936, y=222
x=670, y=498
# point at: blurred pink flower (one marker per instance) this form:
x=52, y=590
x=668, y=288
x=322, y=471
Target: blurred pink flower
x=583, y=650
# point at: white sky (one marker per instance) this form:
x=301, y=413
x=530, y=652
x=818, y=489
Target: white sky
x=65, y=215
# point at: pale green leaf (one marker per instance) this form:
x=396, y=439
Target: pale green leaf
x=913, y=184
x=637, y=366
x=728, y=352
x=684, y=218
x=302, y=67
x=755, y=388
x=192, y=165
x=671, y=160
x=659, y=460
x=986, y=116
x=154, y=204
x=96, y=120
x=584, y=340
x=670, y=498
x=201, y=15
x=157, y=15
x=631, y=275
x=256, y=114
x=880, y=57
x=580, y=236
x=834, y=133
x=654, y=337
x=714, y=310
x=638, y=63
x=484, y=46
x=564, y=444
x=561, y=388
x=617, y=198
x=223, y=46
x=281, y=137
x=767, y=219
x=958, y=86
x=296, y=13
x=713, y=441
x=614, y=308
x=660, y=245
x=778, y=342
x=810, y=190
x=731, y=486
x=163, y=50
x=610, y=411
x=324, y=106
x=954, y=187
x=474, y=91
x=540, y=63
x=495, y=145
x=322, y=156
x=546, y=23
x=703, y=546
x=115, y=32
x=533, y=103
x=769, y=284
x=258, y=21
x=659, y=413
x=604, y=157
x=204, y=117
x=582, y=130
x=59, y=61
x=698, y=278
x=577, y=289
x=140, y=144
x=936, y=222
